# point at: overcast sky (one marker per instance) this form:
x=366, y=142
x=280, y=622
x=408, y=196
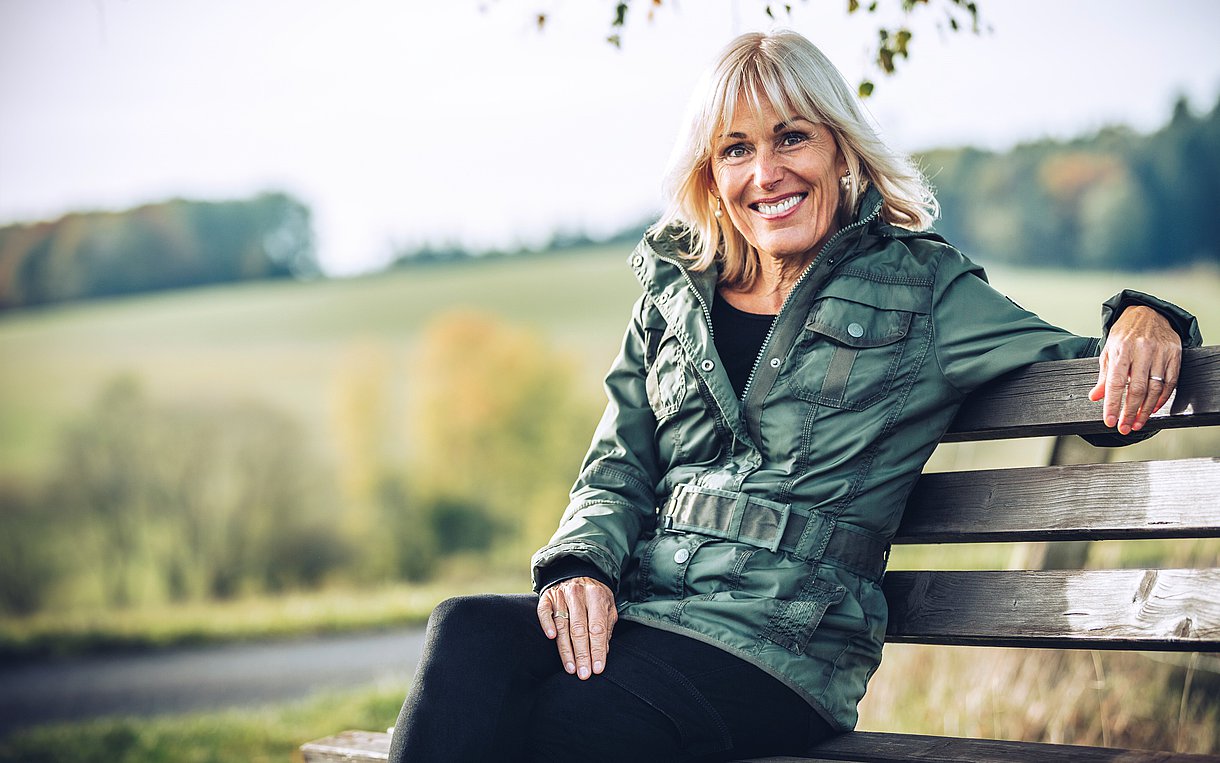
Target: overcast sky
x=400, y=121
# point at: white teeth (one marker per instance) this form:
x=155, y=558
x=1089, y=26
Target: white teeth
x=783, y=206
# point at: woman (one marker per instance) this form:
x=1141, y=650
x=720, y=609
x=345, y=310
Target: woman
x=801, y=345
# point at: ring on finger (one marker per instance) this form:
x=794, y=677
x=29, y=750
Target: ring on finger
x=1157, y=379
x=560, y=615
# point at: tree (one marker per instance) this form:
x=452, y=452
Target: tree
x=893, y=42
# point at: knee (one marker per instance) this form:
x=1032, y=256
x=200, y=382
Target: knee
x=477, y=615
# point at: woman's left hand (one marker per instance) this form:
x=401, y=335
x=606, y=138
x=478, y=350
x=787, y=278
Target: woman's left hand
x=1141, y=358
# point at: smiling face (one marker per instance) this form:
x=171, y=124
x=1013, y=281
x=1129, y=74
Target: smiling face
x=778, y=181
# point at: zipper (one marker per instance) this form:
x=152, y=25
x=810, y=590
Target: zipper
x=745, y=393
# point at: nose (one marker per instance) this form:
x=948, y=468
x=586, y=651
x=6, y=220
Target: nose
x=768, y=169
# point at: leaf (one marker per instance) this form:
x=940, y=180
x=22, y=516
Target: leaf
x=885, y=57
x=866, y=89
x=770, y=15
x=541, y=21
x=853, y=6
x=620, y=15
x=615, y=40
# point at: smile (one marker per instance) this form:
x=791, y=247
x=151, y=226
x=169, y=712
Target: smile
x=779, y=207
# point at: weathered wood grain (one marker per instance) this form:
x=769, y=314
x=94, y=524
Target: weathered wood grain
x=362, y=746
x=1174, y=610
x=1053, y=398
x=895, y=748
x=348, y=747
x=1142, y=499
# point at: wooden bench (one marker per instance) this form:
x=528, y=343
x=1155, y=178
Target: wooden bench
x=1152, y=610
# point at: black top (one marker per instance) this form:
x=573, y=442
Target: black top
x=739, y=338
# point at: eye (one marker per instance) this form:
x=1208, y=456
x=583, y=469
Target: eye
x=735, y=151
x=790, y=139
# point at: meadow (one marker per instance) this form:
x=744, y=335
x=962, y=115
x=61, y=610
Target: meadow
x=287, y=343
x=349, y=363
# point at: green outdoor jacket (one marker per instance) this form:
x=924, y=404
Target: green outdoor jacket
x=773, y=546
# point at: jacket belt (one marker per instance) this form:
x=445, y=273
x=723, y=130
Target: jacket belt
x=808, y=535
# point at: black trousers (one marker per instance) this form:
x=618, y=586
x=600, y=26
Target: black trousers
x=490, y=686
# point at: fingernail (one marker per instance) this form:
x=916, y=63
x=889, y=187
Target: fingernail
x=570, y=667
x=584, y=672
x=597, y=667
x=550, y=634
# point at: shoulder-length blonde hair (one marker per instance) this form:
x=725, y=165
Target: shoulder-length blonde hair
x=788, y=72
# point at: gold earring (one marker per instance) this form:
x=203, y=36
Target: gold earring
x=719, y=214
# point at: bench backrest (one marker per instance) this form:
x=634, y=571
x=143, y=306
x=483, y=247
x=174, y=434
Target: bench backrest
x=1108, y=609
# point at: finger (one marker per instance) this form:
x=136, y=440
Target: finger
x=1139, y=389
x=1099, y=389
x=579, y=630
x=1116, y=387
x=601, y=623
x=546, y=611
x=563, y=628
x=1172, y=367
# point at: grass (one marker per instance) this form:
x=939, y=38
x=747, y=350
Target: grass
x=249, y=735
x=285, y=343
x=58, y=634
x=1113, y=699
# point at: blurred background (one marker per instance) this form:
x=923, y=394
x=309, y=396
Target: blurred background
x=304, y=308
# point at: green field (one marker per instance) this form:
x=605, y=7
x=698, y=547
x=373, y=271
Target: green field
x=288, y=345
x=285, y=343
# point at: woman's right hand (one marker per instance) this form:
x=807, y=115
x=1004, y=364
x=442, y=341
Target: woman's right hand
x=579, y=614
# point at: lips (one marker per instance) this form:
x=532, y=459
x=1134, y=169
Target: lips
x=778, y=206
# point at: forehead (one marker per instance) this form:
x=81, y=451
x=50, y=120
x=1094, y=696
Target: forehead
x=748, y=116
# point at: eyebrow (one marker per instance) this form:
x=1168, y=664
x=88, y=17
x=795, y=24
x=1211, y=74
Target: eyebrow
x=777, y=129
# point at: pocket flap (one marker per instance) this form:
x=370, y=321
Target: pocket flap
x=857, y=325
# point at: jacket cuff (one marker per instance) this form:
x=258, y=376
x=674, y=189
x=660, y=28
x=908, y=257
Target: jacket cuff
x=1182, y=322
x=590, y=553
x=568, y=567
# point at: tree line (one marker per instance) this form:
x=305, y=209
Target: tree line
x=1115, y=200
x=167, y=245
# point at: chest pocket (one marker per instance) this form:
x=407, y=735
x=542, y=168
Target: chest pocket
x=849, y=353
x=666, y=379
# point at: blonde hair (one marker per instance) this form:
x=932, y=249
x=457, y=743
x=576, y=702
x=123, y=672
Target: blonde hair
x=788, y=72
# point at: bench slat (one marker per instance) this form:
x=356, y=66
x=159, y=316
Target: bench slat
x=367, y=746
x=1140, y=499
x=1173, y=610
x=348, y=747
x=1052, y=398
x=894, y=748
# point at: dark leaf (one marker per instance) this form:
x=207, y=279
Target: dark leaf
x=853, y=6
x=620, y=15
x=866, y=89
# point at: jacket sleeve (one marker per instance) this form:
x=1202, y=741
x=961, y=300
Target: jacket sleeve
x=980, y=334
x=613, y=501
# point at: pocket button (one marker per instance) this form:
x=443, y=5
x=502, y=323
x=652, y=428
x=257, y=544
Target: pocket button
x=681, y=555
x=855, y=329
